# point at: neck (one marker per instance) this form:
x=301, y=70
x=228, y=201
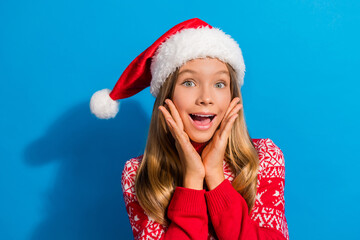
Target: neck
x=199, y=147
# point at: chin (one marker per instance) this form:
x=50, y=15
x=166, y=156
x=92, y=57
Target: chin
x=201, y=139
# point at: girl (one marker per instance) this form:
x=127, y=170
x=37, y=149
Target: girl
x=201, y=175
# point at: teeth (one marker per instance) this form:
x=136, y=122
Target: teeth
x=199, y=115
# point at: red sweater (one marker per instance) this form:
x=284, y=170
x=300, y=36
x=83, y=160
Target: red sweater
x=221, y=213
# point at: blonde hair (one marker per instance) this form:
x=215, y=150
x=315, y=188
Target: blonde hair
x=161, y=170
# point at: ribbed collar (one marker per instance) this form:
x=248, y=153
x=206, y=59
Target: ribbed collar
x=199, y=147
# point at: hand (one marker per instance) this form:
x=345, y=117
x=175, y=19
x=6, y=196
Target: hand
x=194, y=169
x=214, y=152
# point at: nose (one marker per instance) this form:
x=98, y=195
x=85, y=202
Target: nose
x=204, y=96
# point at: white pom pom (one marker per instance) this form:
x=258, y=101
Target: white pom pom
x=102, y=105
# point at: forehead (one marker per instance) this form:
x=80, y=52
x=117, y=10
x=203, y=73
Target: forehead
x=204, y=66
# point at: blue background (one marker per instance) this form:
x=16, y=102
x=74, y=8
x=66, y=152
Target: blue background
x=61, y=167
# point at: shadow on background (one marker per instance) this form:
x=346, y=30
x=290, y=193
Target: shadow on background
x=85, y=201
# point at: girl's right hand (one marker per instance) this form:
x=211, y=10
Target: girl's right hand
x=194, y=168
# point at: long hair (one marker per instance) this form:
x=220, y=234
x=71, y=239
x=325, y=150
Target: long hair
x=161, y=170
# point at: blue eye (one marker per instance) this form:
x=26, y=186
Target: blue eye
x=220, y=85
x=188, y=83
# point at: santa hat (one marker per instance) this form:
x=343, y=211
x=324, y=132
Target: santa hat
x=185, y=41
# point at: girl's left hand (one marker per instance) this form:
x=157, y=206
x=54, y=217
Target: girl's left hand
x=214, y=152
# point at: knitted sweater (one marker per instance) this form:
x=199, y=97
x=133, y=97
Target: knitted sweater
x=221, y=213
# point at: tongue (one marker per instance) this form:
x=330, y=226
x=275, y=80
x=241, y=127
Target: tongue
x=201, y=120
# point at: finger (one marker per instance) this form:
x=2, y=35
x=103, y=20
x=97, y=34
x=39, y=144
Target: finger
x=168, y=119
x=231, y=106
x=175, y=113
x=236, y=109
x=177, y=133
x=225, y=120
x=165, y=113
x=224, y=134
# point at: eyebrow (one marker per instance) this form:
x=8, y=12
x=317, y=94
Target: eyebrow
x=192, y=71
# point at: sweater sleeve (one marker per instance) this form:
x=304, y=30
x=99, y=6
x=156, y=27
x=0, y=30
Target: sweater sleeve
x=228, y=209
x=187, y=212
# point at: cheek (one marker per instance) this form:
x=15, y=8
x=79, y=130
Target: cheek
x=224, y=101
x=181, y=106
x=181, y=99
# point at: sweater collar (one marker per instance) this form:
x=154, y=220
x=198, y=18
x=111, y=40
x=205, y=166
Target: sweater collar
x=199, y=147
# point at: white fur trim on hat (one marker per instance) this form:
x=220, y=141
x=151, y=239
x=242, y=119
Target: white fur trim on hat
x=190, y=44
x=102, y=105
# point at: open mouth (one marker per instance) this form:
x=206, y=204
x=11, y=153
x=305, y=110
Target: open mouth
x=201, y=119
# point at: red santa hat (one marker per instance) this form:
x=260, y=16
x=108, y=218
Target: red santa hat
x=185, y=41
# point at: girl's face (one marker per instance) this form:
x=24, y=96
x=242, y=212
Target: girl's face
x=202, y=95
